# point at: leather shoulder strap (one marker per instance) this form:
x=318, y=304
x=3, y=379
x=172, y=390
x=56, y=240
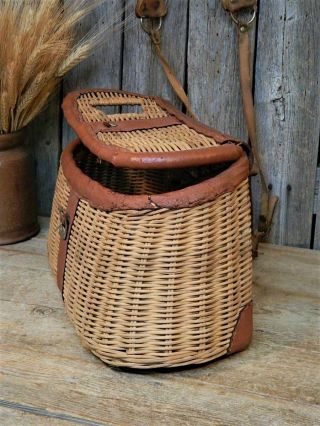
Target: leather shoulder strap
x=268, y=202
x=151, y=9
x=151, y=13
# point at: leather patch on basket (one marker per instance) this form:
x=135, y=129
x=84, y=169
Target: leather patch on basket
x=66, y=221
x=236, y=5
x=242, y=333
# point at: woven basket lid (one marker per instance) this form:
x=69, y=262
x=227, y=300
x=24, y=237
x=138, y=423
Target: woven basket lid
x=144, y=132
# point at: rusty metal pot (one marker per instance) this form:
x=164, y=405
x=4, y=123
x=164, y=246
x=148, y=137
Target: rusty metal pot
x=18, y=208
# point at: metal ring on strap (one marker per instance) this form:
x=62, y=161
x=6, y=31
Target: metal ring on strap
x=147, y=28
x=242, y=24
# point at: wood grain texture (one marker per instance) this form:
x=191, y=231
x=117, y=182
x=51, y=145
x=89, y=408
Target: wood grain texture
x=48, y=375
x=142, y=71
x=12, y=414
x=43, y=137
x=316, y=238
x=94, y=392
x=103, y=67
x=288, y=108
x=200, y=42
x=213, y=73
x=213, y=70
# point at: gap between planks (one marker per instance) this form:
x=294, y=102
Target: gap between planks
x=44, y=413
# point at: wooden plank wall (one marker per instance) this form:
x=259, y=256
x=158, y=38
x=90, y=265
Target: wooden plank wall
x=288, y=110
x=201, y=44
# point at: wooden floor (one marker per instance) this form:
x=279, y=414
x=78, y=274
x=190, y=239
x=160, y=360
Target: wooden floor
x=49, y=379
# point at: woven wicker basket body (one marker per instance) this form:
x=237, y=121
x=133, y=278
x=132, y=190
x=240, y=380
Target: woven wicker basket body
x=155, y=266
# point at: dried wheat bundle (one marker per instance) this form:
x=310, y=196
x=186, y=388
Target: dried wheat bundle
x=38, y=46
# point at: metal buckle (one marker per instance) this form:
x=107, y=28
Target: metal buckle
x=150, y=27
x=64, y=224
x=243, y=26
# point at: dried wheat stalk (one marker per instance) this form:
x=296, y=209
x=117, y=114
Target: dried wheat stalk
x=38, y=46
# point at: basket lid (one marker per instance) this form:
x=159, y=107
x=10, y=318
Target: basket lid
x=137, y=131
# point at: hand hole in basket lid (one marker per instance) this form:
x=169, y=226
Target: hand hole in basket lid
x=115, y=108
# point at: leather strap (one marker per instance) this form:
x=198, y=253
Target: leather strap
x=151, y=9
x=155, y=37
x=148, y=10
x=236, y=5
x=131, y=125
x=66, y=221
x=267, y=201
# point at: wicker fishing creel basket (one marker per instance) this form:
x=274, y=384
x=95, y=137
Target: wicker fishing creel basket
x=150, y=233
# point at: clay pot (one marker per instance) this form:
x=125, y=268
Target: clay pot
x=18, y=208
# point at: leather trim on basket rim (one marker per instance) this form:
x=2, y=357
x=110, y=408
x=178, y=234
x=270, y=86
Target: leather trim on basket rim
x=242, y=333
x=121, y=157
x=103, y=198
x=63, y=245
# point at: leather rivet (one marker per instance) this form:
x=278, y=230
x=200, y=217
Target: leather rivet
x=110, y=124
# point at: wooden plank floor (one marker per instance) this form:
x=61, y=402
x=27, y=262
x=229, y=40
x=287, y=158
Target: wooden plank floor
x=48, y=378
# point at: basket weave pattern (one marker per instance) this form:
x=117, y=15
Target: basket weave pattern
x=156, y=265
x=157, y=288
x=175, y=138
x=60, y=200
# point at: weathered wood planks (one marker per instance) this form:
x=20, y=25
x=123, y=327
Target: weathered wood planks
x=48, y=377
x=213, y=71
x=12, y=414
x=141, y=71
x=288, y=108
x=316, y=237
x=43, y=138
x=200, y=42
x=103, y=67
